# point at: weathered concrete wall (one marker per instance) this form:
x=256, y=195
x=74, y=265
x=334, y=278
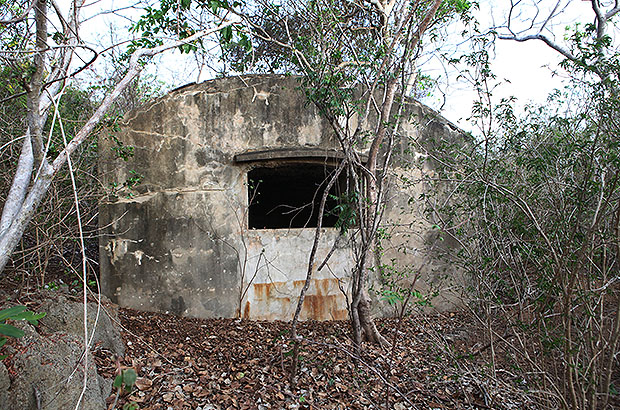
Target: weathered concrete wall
x=179, y=241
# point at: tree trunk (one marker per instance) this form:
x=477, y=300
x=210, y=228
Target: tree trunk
x=19, y=187
x=371, y=333
x=362, y=323
x=14, y=232
x=364, y=327
x=11, y=237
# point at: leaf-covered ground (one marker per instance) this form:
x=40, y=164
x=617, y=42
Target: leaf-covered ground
x=185, y=363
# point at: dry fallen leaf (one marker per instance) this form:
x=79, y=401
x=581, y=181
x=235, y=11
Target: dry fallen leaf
x=136, y=398
x=246, y=372
x=143, y=383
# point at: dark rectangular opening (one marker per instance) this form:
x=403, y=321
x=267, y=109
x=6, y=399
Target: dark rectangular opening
x=288, y=196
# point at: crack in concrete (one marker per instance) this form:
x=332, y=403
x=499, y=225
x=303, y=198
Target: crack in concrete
x=164, y=139
x=146, y=196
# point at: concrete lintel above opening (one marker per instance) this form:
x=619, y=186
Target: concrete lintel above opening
x=291, y=153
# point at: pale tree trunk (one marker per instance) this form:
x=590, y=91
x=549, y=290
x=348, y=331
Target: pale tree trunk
x=364, y=328
x=363, y=323
x=13, y=234
x=23, y=201
x=19, y=187
x=25, y=165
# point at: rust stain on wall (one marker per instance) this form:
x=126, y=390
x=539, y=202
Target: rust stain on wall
x=264, y=290
x=246, y=311
x=323, y=307
x=323, y=301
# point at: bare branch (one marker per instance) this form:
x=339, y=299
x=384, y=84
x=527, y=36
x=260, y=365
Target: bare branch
x=134, y=68
x=19, y=18
x=542, y=38
x=12, y=234
x=549, y=17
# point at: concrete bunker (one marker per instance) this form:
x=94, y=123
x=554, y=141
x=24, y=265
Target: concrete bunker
x=222, y=222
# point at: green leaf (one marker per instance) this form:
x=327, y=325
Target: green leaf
x=226, y=34
x=118, y=381
x=215, y=5
x=31, y=317
x=10, y=312
x=129, y=377
x=9, y=330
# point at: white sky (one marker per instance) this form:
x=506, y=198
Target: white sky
x=528, y=66
x=525, y=70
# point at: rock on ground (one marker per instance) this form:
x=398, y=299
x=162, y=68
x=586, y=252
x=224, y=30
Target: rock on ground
x=67, y=316
x=44, y=369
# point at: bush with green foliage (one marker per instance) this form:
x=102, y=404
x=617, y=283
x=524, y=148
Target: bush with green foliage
x=535, y=205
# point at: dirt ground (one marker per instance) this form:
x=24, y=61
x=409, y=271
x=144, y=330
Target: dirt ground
x=185, y=363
